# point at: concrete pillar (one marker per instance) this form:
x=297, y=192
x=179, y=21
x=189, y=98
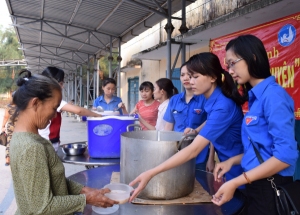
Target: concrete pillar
x=110, y=58
x=119, y=59
x=169, y=29
x=75, y=86
x=98, y=81
x=87, y=84
x=80, y=86
x=95, y=77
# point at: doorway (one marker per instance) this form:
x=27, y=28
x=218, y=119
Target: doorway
x=133, y=92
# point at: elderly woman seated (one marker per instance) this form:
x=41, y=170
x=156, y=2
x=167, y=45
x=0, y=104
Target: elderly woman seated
x=38, y=174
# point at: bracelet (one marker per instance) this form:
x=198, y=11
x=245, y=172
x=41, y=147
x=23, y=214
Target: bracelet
x=246, y=177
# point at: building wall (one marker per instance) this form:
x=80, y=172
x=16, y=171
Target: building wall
x=142, y=42
x=196, y=14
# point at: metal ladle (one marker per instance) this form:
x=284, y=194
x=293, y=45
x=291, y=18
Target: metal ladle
x=188, y=137
x=100, y=109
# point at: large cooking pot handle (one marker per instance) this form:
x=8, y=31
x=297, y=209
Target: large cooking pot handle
x=191, y=136
x=133, y=125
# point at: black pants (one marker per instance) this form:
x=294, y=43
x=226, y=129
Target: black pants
x=261, y=196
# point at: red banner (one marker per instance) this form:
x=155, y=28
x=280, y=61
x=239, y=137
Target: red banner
x=283, y=47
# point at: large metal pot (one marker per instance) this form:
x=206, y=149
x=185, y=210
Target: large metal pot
x=143, y=150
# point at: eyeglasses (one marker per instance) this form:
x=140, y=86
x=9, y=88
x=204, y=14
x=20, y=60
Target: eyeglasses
x=232, y=63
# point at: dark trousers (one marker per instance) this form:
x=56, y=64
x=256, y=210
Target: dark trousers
x=261, y=195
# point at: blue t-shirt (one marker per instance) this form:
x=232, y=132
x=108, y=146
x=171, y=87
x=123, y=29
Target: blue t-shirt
x=111, y=106
x=270, y=125
x=223, y=128
x=187, y=115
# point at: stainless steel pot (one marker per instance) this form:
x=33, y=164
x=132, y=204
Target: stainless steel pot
x=143, y=150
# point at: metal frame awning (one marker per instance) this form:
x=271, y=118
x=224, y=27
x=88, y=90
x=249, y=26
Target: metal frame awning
x=12, y=63
x=67, y=34
x=248, y=16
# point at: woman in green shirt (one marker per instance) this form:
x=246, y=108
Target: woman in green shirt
x=38, y=174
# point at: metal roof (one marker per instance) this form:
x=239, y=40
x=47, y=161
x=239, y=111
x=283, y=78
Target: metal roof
x=66, y=33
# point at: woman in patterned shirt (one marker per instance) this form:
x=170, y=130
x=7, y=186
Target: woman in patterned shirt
x=8, y=128
x=40, y=185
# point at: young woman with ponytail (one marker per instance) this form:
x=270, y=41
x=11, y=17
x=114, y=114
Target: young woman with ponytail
x=224, y=118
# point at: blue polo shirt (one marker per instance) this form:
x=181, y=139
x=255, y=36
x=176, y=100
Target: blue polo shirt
x=270, y=125
x=187, y=115
x=223, y=128
x=111, y=106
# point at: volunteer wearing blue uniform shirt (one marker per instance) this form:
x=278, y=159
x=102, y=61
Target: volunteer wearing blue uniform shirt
x=268, y=126
x=223, y=128
x=182, y=114
x=224, y=118
x=108, y=101
x=185, y=112
x=279, y=111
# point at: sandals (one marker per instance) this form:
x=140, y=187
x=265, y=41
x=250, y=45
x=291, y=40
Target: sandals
x=7, y=163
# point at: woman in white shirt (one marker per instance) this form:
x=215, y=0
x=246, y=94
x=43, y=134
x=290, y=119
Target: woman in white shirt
x=163, y=91
x=52, y=131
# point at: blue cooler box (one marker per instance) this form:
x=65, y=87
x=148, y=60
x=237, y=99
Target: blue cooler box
x=104, y=135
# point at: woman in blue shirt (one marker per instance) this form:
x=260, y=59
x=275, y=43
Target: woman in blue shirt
x=268, y=126
x=185, y=113
x=108, y=101
x=224, y=118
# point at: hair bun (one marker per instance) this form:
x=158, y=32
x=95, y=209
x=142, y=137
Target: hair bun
x=22, y=80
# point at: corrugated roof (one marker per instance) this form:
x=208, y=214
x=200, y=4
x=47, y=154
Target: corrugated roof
x=66, y=33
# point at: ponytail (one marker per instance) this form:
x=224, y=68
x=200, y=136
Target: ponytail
x=167, y=85
x=230, y=89
x=175, y=91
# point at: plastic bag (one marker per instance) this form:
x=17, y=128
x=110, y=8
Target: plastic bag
x=3, y=139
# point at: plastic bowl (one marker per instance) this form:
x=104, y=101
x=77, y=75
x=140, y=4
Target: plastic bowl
x=107, y=113
x=119, y=192
x=109, y=210
x=110, y=113
x=74, y=148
